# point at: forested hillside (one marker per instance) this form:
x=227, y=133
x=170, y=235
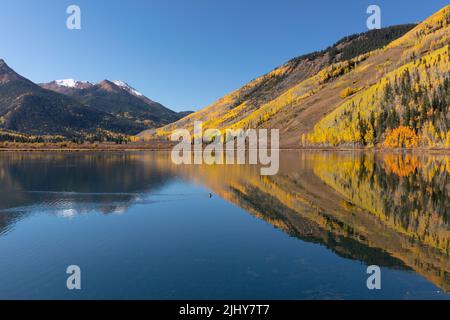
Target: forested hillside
x=385, y=88
x=258, y=101
x=408, y=107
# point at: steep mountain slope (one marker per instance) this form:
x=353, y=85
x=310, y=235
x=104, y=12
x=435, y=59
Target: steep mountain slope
x=27, y=108
x=243, y=103
x=337, y=97
x=117, y=98
x=409, y=106
x=183, y=114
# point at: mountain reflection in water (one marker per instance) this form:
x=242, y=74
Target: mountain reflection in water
x=385, y=209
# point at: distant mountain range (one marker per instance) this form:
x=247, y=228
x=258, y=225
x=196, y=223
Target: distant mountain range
x=117, y=98
x=387, y=87
x=78, y=109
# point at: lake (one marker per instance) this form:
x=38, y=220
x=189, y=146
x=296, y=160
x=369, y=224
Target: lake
x=140, y=227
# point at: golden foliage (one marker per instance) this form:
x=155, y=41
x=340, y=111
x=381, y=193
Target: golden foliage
x=351, y=123
x=402, y=166
x=347, y=92
x=430, y=136
x=134, y=139
x=401, y=137
x=447, y=141
x=419, y=180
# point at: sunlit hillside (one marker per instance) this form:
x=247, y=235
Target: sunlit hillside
x=409, y=106
x=360, y=92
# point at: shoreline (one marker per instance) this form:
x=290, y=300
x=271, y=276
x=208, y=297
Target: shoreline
x=445, y=151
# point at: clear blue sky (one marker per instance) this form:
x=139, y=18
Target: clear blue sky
x=184, y=53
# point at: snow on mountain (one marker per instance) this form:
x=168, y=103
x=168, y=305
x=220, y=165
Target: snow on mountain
x=71, y=83
x=127, y=87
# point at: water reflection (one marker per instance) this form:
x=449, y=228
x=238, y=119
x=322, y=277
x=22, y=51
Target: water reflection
x=69, y=184
x=385, y=209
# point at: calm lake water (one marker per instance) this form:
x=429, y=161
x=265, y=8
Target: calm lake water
x=140, y=227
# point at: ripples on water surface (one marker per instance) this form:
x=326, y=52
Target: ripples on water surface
x=141, y=227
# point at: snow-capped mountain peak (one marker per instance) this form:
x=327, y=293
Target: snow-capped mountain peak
x=71, y=83
x=127, y=87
